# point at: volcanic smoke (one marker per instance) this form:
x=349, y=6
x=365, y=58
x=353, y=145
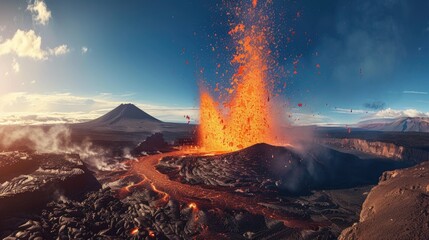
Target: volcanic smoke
x=246, y=117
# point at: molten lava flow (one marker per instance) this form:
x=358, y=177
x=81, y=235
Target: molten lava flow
x=246, y=117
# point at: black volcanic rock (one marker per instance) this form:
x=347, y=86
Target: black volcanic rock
x=103, y=216
x=34, y=179
x=264, y=167
x=153, y=143
x=397, y=208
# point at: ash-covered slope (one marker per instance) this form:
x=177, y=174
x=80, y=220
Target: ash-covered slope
x=404, y=124
x=397, y=208
x=264, y=167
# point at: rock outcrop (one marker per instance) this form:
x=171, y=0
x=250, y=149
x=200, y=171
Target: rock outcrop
x=397, y=208
x=28, y=181
x=378, y=148
x=153, y=144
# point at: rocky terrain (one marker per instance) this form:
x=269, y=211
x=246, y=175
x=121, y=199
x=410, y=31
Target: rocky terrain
x=397, y=208
x=261, y=192
x=263, y=167
x=141, y=213
x=40, y=177
x=153, y=144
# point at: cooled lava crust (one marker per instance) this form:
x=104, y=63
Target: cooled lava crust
x=266, y=168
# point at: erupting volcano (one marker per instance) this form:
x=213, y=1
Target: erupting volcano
x=245, y=116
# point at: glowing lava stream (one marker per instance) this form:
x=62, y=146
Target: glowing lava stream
x=210, y=197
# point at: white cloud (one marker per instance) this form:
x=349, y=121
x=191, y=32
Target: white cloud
x=15, y=66
x=33, y=82
x=350, y=111
x=2, y=28
x=393, y=113
x=31, y=108
x=84, y=50
x=305, y=119
x=24, y=44
x=60, y=50
x=415, y=92
x=40, y=11
x=29, y=44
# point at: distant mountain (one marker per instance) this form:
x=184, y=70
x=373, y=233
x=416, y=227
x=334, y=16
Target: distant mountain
x=124, y=112
x=129, y=118
x=403, y=124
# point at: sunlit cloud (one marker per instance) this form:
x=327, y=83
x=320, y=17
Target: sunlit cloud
x=28, y=44
x=84, y=50
x=15, y=66
x=350, y=111
x=32, y=108
x=415, y=92
x=24, y=44
x=40, y=12
x=60, y=50
x=304, y=119
x=394, y=113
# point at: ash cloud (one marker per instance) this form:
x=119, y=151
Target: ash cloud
x=377, y=105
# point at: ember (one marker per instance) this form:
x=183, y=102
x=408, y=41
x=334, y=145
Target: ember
x=134, y=231
x=192, y=205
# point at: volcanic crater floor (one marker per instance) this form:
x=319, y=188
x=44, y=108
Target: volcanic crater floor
x=261, y=192
x=275, y=183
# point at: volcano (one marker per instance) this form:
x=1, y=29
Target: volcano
x=263, y=167
x=124, y=114
x=131, y=119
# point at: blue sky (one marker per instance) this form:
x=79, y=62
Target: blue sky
x=373, y=57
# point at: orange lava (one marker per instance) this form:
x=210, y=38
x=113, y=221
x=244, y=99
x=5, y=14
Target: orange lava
x=193, y=206
x=246, y=117
x=134, y=231
x=254, y=3
x=165, y=195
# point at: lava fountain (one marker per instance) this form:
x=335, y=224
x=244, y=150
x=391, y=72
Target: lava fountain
x=246, y=117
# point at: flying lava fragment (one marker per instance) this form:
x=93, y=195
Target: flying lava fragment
x=245, y=117
x=254, y=3
x=134, y=231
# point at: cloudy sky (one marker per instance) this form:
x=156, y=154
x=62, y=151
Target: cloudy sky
x=69, y=61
